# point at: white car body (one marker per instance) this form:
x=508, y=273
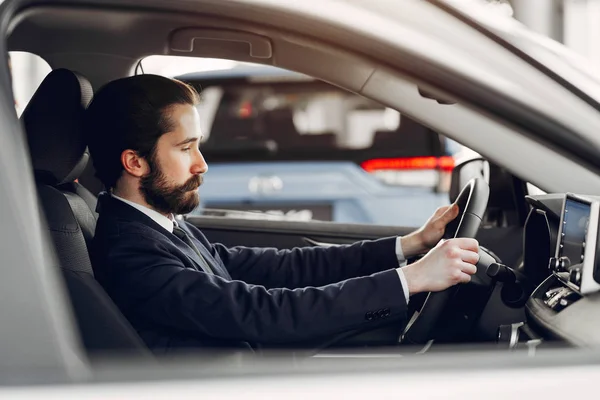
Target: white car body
x=378, y=49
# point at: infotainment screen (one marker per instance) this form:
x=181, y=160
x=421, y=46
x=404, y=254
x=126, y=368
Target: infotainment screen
x=576, y=219
x=577, y=243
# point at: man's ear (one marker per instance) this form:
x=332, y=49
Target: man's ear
x=134, y=164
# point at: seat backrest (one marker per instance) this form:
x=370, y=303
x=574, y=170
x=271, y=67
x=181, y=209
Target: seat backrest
x=53, y=121
x=83, y=203
x=101, y=325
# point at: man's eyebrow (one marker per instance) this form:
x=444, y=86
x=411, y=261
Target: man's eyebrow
x=188, y=140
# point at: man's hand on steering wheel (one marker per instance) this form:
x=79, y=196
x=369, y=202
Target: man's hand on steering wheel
x=429, y=235
x=450, y=262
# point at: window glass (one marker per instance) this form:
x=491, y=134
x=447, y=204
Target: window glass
x=28, y=71
x=533, y=190
x=286, y=145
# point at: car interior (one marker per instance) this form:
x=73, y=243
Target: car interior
x=90, y=44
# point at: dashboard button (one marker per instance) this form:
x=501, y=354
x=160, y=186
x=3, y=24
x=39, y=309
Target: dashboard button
x=552, y=292
x=575, y=276
x=553, y=301
x=560, y=305
x=559, y=264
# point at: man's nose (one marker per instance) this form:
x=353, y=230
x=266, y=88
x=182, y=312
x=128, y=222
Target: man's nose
x=200, y=166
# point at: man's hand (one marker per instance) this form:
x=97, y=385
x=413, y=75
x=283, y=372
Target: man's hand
x=426, y=237
x=450, y=262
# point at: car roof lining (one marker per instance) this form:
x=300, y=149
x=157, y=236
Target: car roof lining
x=79, y=38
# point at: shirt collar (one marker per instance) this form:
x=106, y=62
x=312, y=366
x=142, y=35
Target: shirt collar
x=165, y=222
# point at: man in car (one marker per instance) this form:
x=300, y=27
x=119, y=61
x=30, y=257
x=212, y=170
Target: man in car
x=179, y=290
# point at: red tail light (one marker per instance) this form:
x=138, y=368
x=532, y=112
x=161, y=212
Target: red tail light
x=445, y=163
x=245, y=110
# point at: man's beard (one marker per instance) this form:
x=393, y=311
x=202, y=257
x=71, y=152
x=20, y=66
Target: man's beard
x=170, y=199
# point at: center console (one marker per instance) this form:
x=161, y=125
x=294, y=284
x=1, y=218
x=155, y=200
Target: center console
x=574, y=263
x=566, y=305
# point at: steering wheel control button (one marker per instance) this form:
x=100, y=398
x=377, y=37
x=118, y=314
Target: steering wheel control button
x=369, y=316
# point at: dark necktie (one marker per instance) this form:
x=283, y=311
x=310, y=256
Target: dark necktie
x=181, y=234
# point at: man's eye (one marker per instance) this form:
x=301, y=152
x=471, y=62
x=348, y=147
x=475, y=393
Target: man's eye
x=186, y=149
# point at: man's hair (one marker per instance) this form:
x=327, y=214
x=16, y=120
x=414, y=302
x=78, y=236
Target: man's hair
x=131, y=113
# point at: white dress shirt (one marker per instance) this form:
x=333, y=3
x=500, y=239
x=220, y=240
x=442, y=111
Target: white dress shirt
x=167, y=223
x=401, y=263
x=157, y=217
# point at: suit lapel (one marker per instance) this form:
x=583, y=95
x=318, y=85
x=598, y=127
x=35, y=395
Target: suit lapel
x=187, y=250
x=204, y=251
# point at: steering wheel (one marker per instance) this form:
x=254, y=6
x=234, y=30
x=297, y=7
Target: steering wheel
x=472, y=202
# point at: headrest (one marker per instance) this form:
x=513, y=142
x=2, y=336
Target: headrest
x=53, y=122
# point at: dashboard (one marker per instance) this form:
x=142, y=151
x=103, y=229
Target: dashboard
x=562, y=261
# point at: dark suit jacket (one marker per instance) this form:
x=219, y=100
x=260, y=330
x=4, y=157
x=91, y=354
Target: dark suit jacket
x=260, y=295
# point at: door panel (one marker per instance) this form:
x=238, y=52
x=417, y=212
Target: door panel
x=504, y=242
x=288, y=234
